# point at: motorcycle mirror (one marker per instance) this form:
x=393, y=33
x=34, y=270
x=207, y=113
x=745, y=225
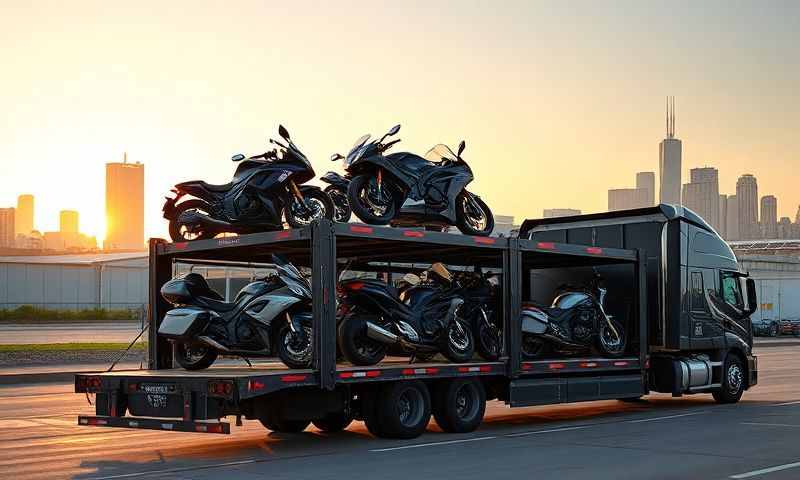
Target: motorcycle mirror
x=335, y=157
x=283, y=132
x=461, y=147
x=393, y=130
x=237, y=158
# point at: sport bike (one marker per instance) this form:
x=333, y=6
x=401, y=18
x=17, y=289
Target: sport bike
x=483, y=311
x=375, y=320
x=263, y=189
x=575, y=322
x=269, y=316
x=337, y=190
x=404, y=189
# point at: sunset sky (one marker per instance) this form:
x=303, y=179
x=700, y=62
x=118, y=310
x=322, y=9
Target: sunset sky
x=557, y=101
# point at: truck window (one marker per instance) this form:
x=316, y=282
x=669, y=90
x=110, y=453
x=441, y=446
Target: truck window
x=731, y=290
x=698, y=297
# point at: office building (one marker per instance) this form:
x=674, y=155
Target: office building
x=785, y=228
x=626, y=198
x=669, y=161
x=560, y=212
x=7, y=228
x=503, y=224
x=68, y=221
x=701, y=195
x=24, y=215
x=722, y=215
x=769, y=217
x=747, y=200
x=647, y=181
x=732, y=219
x=124, y=206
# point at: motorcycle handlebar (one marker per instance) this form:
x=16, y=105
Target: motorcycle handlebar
x=388, y=145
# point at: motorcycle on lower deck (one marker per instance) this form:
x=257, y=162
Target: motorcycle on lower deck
x=404, y=189
x=576, y=322
x=483, y=311
x=268, y=317
x=264, y=189
x=375, y=320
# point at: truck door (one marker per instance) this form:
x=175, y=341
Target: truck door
x=704, y=327
x=731, y=293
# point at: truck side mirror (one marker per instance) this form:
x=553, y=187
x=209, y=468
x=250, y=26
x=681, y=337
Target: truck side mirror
x=752, y=301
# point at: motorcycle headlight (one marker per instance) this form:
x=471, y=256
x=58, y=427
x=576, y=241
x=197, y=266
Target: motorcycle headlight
x=299, y=291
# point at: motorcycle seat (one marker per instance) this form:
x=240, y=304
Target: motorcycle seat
x=216, y=188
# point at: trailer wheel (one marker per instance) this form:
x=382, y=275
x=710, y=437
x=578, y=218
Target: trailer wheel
x=274, y=422
x=459, y=405
x=333, y=422
x=733, y=380
x=402, y=410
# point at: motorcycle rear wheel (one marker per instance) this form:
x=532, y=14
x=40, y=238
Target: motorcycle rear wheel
x=533, y=348
x=341, y=206
x=364, y=202
x=179, y=231
x=354, y=344
x=194, y=356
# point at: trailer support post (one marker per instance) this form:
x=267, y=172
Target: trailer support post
x=159, y=350
x=323, y=289
x=641, y=295
x=512, y=296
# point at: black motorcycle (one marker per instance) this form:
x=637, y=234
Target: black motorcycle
x=374, y=320
x=404, y=189
x=269, y=316
x=483, y=302
x=263, y=189
x=576, y=322
x=337, y=190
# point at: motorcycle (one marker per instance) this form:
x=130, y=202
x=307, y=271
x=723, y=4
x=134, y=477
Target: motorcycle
x=269, y=316
x=263, y=189
x=337, y=190
x=575, y=322
x=404, y=189
x=483, y=311
x=374, y=320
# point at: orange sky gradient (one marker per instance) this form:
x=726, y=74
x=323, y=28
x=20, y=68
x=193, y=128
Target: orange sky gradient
x=557, y=102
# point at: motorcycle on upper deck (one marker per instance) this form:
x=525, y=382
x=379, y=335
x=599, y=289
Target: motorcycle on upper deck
x=337, y=190
x=264, y=188
x=404, y=189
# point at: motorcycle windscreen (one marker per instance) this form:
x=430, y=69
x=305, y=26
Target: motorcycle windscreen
x=534, y=322
x=292, y=277
x=183, y=323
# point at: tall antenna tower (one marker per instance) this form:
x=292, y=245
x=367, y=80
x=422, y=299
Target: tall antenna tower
x=670, y=117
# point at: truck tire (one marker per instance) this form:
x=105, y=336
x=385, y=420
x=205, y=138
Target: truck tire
x=403, y=410
x=277, y=424
x=333, y=422
x=459, y=405
x=369, y=413
x=733, y=380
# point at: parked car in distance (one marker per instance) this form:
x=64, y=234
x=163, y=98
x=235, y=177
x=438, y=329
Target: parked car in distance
x=765, y=327
x=788, y=325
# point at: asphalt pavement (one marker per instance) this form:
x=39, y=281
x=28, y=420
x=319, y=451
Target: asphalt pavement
x=662, y=438
x=89, y=332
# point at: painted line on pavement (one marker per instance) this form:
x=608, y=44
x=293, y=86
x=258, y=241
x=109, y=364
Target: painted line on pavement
x=431, y=444
x=664, y=418
x=776, y=468
x=174, y=470
x=535, y=432
x=795, y=402
x=763, y=424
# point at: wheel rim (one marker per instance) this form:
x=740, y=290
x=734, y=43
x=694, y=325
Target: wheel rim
x=366, y=347
x=188, y=231
x=457, y=336
x=490, y=338
x=466, y=402
x=298, y=350
x=611, y=343
x=340, y=206
x=193, y=353
x=532, y=346
x=735, y=378
x=409, y=407
x=377, y=202
x=474, y=214
x=313, y=205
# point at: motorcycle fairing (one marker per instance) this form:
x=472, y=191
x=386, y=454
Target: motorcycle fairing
x=336, y=180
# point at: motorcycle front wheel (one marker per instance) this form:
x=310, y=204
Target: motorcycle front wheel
x=609, y=344
x=183, y=232
x=194, y=356
x=488, y=338
x=317, y=205
x=293, y=351
x=473, y=216
x=341, y=207
x=459, y=344
x=354, y=344
x=371, y=205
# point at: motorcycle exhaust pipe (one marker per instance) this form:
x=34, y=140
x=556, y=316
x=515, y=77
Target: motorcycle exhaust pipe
x=213, y=343
x=380, y=334
x=207, y=221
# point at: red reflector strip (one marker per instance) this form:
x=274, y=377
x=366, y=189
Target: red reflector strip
x=594, y=250
x=96, y=421
x=180, y=245
x=588, y=364
x=485, y=240
x=254, y=385
x=527, y=366
x=293, y=378
x=484, y=368
x=556, y=366
x=420, y=371
x=413, y=233
x=546, y=245
x=367, y=374
x=283, y=234
x=208, y=428
x=621, y=363
x=357, y=229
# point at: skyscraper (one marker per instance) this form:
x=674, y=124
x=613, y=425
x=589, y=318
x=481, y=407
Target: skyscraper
x=723, y=216
x=124, y=206
x=68, y=221
x=7, y=234
x=24, y=215
x=732, y=219
x=702, y=194
x=626, y=198
x=669, y=161
x=747, y=200
x=769, y=217
x=647, y=181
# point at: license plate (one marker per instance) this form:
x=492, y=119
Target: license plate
x=157, y=400
x=157, y=388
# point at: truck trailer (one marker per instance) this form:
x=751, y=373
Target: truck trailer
x=396, y=398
